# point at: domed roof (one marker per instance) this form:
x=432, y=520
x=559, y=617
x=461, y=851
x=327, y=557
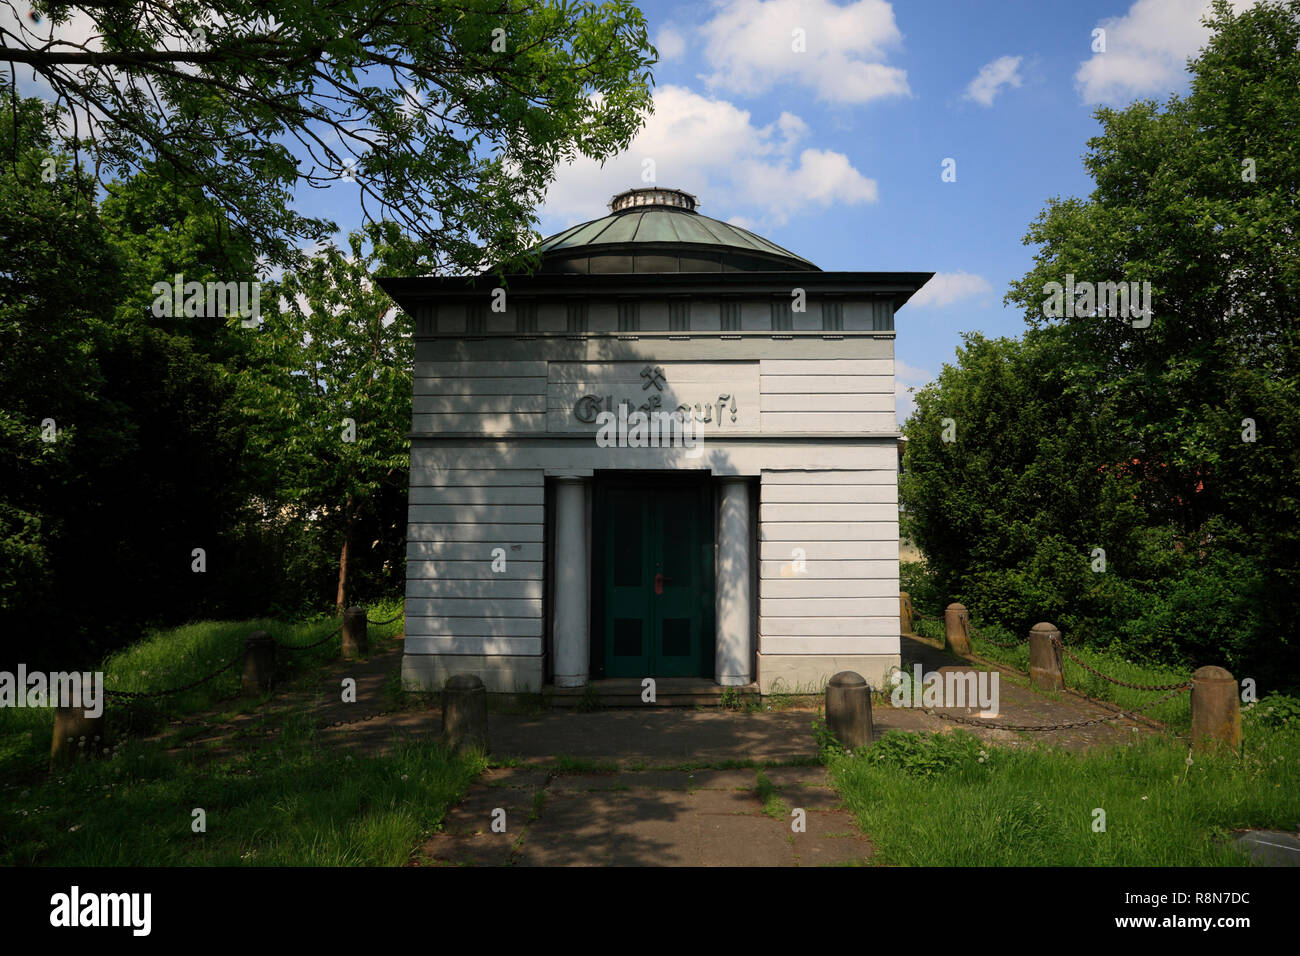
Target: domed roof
x=658, y=230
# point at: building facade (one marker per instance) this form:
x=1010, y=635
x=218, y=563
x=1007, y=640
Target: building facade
x=669, y=452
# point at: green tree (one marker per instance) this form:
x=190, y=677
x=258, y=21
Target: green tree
x=331, y=389
x=1194, y=417
x=449, y=117
x=49, y=375
x=163, y=230
x=1003, y=488
x=121, y=446
x=1199, y=200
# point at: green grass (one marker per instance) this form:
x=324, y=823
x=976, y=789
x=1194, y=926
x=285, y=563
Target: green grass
x=286, y=803
x=767, y=795
x=172, y=658
x=281, y=800
x=735, y=699
x=948, y=800
x=749, y=702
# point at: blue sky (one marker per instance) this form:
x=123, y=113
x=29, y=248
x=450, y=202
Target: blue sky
x=836, y=151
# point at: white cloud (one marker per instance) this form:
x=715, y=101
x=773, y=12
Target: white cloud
x=820, y=179
x=903, y=402
x=77, y=31
x=1146, y=50
x=907, y=377
x=911, y=374
x=756, y=175
x=753, y=46
x=670, y=43
x=949, y=287
x=1004, y=71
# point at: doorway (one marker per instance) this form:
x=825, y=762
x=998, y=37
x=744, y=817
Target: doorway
x=652, y=569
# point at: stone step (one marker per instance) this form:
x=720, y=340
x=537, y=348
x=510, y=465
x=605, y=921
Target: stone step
x=626, y=692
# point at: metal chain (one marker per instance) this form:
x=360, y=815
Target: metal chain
x=307, y=647
x=1115, y=680
x=916, y=615
x=389, y=621
x=989, y=640
x=142, y=695
x=1069, y=725
x=1172, y=689
x=138, y=695
x=1065, y=650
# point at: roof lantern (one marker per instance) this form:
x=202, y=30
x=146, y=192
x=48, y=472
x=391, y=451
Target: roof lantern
x=653, y=196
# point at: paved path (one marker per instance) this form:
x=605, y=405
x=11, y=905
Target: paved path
x=1270, y=847
x=1020, y=705
x=647, y=787
x=702, y=817
x=649, y=818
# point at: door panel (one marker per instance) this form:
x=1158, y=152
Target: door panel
x=674, y=609
x=627, y=598
x=657, y=580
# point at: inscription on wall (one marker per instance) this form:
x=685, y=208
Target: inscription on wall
x=721, y=395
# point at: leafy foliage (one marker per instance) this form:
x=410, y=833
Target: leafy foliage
x=448, y=117
x=328, y=392
x=1092, y=432
x=1275, y=710
x=916, y=581
x=156, y=449
x=121, y=447
x=925, y=755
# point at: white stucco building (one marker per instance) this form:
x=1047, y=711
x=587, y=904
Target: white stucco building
x=768, y=553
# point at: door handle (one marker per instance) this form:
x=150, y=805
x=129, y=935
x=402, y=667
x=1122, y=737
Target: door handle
x=660, y=581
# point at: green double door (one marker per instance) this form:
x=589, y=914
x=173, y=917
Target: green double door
x=654, y=578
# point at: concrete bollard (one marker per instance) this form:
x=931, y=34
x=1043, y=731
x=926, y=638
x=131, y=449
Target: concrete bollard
x=956, y=629
x=1046, y=667
x=464, y=713
x=76, y=736
x=259, y=664
x=356, y=642
x=1216, y=711
x=848, y=710
x=905, y=612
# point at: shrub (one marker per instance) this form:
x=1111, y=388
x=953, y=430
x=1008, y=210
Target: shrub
x=1275, y=710
x=925, y=755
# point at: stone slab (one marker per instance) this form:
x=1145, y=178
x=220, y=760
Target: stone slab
x=474, y=813
x=831, y=839
x=725, y=801
x=785, y=777
x=722, y=779
x=514, y=778
x=1271, y=847
x=811, y=798
x=451, y=849
x=744, y=840
x=622, y=828
x=587, y=781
